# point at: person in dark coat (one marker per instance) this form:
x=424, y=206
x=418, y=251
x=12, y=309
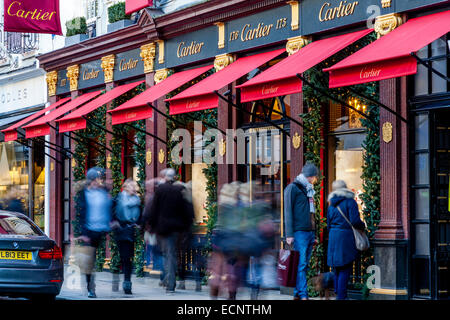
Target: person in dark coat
x=126, y=217
x=342, y=250
x=170, y=216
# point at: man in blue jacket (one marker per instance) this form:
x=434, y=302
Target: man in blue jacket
x=300, y=224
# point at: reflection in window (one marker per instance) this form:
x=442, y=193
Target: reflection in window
x=15, y=225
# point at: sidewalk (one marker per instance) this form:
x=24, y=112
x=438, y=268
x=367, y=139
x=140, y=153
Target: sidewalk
x=146, y=288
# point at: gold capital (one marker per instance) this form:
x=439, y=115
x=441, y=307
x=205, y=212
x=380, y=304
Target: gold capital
x=296, y=141
x=296, y=43
x=148, y=157
x=223, y=61
x=148, y=53
x=52, y=80
x=386, y=3
x=161, y=75
x=160, y=51
x=73, y=73
x=221, y=31
x=294, y=14
x=161, y=156
x=108, y=67
x=387, y=132
x=387, y=23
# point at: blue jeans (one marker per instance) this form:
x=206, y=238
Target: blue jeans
x=342, y=276
x=303, y=243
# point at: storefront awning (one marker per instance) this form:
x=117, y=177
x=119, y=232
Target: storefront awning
x=137, y=108
x=201, y=96
x=281, y=79
x=75, y=121
x=11, y=133
x=40, y=126
x=391, y=55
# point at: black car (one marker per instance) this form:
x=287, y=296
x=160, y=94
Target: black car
x=31, y=264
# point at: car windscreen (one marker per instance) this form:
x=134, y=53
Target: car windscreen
x=11, y=224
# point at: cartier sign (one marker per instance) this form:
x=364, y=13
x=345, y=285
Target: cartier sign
x=128, y=64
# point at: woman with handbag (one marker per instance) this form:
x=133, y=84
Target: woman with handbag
x=342, y=219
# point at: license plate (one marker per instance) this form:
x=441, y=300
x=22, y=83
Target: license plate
x=15, y=255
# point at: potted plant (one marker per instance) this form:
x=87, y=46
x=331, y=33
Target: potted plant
x=117, y=17
x=76, y=31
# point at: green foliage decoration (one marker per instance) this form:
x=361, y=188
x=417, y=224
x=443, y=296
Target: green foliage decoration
x=76, y=26
x=117, y=12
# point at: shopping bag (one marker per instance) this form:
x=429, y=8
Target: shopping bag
x=84, y=258
x=287, y=267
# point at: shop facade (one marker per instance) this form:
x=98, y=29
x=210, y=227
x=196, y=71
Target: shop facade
x=242, y=40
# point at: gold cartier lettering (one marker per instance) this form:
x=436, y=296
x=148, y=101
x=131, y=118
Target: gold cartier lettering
x=88, y=75
x=63, y=82
x=269, y=90
x=192, y=104
x=14, y=10
x=369, y=73
x=127, y=65
x=327, y=13
x=189, y=50
x=249, y=33
x=130, y=115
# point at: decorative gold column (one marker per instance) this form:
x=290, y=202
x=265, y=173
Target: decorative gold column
x=148, y=53
x=221, y=30
x=72, y=75
x=296, y=43
x=161, y=75
x=52, y=80
x=223, y=61
x=295, y=19
x=387, y=23
x=160, y=51
x=108, y=67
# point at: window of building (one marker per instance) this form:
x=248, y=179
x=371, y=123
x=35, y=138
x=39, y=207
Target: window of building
x=92, y=9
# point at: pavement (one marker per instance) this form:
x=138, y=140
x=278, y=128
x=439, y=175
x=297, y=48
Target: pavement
x=146, y=288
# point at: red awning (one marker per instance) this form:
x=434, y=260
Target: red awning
x=137, y=108
x=11, y=132
x=40, y=127
x=201, y=96
x=75, y=120
x=281, y=79
x=390, y=56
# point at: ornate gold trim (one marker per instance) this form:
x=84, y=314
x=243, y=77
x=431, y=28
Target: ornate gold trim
x=386, y=3
x=223, y=60
x=296, y=141
x=72, y=74
x=52, y=166
x=74, y=163
x=387, y=23
x=395, y=292
x=221, y=30
x=52, y=80
x=108, y=161
x=296, y=43
x=295, y=21
x=387, y=132
x=148, y=52
x=161, y=156
x=161, y=75
x=161, y=52
x=148, y=157
x=222, y=147
x=108, y=67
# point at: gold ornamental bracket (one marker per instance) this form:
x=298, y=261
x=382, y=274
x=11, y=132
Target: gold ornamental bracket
x=161, y=52
x=387, y=132
x=296, y=43
x=72, y=74
x=296, y=141
x=386, y=3
x=223, y=60
x=108, y=67
x=387, y=23
x=161, y=75
x=108, y=161
x=52, y=80
x=161, y=156
x=148, y=157
x=148, y=53
x=222, y=147
x=295, y=13
x=221, y=30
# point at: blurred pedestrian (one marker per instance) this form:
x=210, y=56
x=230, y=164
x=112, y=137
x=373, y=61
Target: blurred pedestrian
x=170, y=215
x=95, y=207
x=342, y=250
x=127, y=215
x=299, y=220
x=13, y=200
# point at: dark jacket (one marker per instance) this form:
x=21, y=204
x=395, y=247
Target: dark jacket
x=127, y=229
x=297, y=213
x=169, y=211
x=341, y=241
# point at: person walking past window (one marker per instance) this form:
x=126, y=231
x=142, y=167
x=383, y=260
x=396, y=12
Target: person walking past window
x=126, y=217
x=300, y=224
x=342, y=250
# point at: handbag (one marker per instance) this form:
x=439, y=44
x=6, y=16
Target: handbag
x=361, y=240
x=287, y=267
x=84, y=258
